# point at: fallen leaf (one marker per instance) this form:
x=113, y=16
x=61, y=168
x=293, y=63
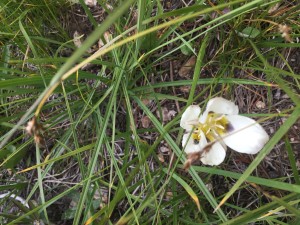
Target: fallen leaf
x=161, y=157
x=145, y=122
x=164, y=149
x=185, y=70
x=166, y=114
x=147, y=101
x=185, y=89
x=169, y=195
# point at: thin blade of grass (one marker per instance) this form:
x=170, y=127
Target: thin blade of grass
x=198, y=67
x=187, y=188
x=40, y=181
x=202, y=81
x=292, y=159
x=257, y=180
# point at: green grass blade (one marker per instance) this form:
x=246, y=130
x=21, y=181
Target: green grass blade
x=272, y=183
x=40, y=181
x=198, y=67
x=292, y=159
x=187, y=188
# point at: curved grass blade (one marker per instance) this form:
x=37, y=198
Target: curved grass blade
x=257, y=180
x=253, y=214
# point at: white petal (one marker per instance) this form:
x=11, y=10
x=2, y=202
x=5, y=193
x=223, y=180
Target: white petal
x=214, y=156
x=189, y=117
x=18, y=198
x=222, y=106
x=249, y=140
x=189, y=144
x=203, y=117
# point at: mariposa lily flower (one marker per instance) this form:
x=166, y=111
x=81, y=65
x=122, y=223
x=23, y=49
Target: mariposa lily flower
x=221, y=126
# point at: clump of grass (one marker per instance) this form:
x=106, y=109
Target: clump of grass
x=97, y=160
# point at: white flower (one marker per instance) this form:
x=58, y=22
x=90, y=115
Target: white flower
x=220, y=123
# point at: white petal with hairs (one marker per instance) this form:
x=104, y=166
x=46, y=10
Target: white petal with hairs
x=215, y=156
x=247, y=135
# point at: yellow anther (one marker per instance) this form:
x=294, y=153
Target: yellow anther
x=196, y=136
x=215, y=125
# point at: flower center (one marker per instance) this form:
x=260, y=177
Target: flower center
x=215, y=125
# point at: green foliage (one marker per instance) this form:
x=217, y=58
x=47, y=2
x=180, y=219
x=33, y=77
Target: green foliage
x=112, y=154
x=249, y=32
x=12, y=161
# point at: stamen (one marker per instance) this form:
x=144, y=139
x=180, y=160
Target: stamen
x=208, y=131
x=220, y=118
x=220, y=126
x=215, y=125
